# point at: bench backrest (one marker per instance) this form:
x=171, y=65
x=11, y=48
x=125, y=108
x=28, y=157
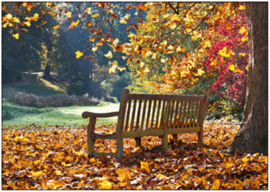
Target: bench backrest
x=144, y=112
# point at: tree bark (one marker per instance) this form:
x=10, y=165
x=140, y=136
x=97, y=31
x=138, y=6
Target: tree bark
x=252, y=136
x=47, y=70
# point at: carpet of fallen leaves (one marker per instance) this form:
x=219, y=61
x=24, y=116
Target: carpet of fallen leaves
x=57, y=159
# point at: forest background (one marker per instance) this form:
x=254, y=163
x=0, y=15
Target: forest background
x=89, y=51
x=100, y=57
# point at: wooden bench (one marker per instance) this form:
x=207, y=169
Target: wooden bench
x=142, y=115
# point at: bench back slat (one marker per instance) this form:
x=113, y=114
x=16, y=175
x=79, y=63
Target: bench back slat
x=146, y=112
x=191, y=114
x=195, y=114
x=133, y=115
x=153, y=114
x=143, y=115
x=138, y=115
x=165, y=97
x=127, y=115
x=158, y=113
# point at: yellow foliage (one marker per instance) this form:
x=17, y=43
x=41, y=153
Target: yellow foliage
x=78, y=54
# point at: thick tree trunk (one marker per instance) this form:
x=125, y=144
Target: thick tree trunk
x=252, y=136
x=47, y=70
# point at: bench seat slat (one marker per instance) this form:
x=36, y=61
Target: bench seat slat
x=105, y=136
x=150, y=132
x=101, y=154
x=184, y=130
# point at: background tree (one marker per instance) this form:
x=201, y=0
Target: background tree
x=252, y=136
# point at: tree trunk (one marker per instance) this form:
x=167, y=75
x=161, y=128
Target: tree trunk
x=47, y=70
x=252, y=136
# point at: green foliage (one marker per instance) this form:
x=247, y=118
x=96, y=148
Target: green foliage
x=25, y=53
x=111, y=99
x=22, y=98
x=122, y=82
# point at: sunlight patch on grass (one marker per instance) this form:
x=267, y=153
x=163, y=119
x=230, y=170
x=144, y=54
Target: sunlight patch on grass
x=63, y=116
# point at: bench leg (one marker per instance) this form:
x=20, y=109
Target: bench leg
x=165, y=142
x=138, y=141
x=120, y=147
x=175, y=137
x=200, y=137
x=90, y=141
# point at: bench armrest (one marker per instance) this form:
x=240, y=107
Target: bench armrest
x=87, y=114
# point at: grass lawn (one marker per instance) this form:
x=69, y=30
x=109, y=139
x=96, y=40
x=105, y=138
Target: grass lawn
x=40, y=88
x=64, y=116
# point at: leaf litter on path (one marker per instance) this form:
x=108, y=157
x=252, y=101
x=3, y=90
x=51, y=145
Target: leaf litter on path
x=57, y=159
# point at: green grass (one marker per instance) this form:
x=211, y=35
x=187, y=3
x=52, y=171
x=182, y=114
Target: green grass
x=40, y=88
x=62, y=116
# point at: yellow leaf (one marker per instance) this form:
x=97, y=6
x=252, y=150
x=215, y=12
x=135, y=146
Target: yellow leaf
x=66, y=165
x=163, y=60
x=27, y=23
x=58, y=172
x=78, y=54
x=5, y=25
x=9, y=16
x=123, y=174
x=200, y=72
x=244, y=38
x=242, y=54
x=178, y=49
x=16, y=36
x=105, y=185
x=242, y=30
x=68, y=14
x=76, y=23
x=164, y=43
x=232, y=68
x=146, y=70
x=121, y=68
x=113, y=68
x=241, y=7
x=245, y=159
x=109, y=55
x=142, y=64
x=36, y=174
x=207, y=43
x=247, y=68
x=216, y=184
x=95, y=15
x=94, y=49
x=36, y=16
x=56, y=27
x=92, y=39
x=88, y=10
x=173, y=73
x=79, y=153
x=145, y=166
x=16, y=20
